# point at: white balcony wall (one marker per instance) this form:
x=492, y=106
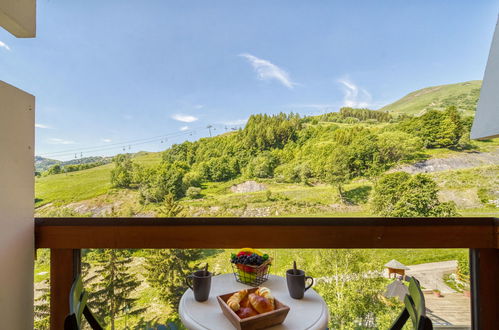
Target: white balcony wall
x=17, y=113
x=486, y=123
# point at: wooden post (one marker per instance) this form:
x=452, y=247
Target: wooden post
x=64, y=266
x=484, y=265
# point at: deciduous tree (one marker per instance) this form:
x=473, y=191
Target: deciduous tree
x=122, y=173
x=402, y=195
x=352, y=289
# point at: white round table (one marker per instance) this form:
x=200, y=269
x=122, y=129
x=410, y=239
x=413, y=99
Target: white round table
x=308, y=313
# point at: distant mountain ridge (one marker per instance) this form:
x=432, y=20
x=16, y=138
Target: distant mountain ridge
x=463, y=95
x=43, y=164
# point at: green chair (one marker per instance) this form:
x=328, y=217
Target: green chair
x=414, y=309
x=78, y=307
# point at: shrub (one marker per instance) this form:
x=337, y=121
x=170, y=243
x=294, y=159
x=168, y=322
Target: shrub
x=183, y=152
x=81, y=167
x=442, y=129
x=463, y=271
x=222, y=168
x=193, y=192
x=192, y=179
x=262, y=166
x=166, y=179
x=351, y=120
x=396, y=145
x=402, y=195
x=294, y=172
x=121, y=174
x=54, y=169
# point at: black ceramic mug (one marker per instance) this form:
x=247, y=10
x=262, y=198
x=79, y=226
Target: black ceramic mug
x=296, y=283
x=200, y=284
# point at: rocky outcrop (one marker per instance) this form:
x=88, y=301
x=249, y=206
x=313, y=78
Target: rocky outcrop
x=466, y=160
x=247, y=187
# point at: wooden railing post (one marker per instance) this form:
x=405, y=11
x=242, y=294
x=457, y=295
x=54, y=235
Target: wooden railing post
x=484, y=288
x=64, y=266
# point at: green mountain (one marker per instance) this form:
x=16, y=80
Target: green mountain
x=463, y=95
x=42, y=164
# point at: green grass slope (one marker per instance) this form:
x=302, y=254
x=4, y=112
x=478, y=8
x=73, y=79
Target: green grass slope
x=72, y=187
x=463, y=95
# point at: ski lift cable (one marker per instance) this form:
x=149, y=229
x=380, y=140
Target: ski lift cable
x=117, y=146
x=150, y=139
x=113, y=144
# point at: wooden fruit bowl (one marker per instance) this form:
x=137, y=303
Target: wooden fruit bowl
x=260, y=321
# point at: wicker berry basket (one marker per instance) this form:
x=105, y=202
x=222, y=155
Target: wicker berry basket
x=252, y=275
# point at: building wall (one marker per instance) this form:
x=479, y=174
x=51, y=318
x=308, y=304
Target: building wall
x=17, y=113
x=486, y=123
x=19, y=17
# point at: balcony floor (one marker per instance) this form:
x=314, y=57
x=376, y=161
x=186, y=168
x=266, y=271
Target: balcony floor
x=454, y=308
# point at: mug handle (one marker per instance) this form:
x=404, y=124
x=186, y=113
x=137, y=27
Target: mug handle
x=187, y=281
x=311, y=283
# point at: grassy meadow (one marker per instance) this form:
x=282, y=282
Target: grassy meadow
x=463, y=95
x=62, y=189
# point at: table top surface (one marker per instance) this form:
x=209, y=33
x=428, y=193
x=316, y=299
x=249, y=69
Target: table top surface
x=307, y=313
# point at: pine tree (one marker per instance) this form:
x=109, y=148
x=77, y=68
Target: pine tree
x=166, y=271
x=167, y=268
x=110, y=293
x=170, y=208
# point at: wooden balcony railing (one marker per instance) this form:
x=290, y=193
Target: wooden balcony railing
x=65, y=236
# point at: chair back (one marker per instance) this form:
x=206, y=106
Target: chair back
x=77, y=300
x=78, y=308
x=414, y=308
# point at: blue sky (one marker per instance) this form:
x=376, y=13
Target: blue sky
x=108, y=72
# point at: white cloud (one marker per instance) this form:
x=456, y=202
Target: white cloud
x=184, y=128
x=106, y=140
x=354, y=96
x=184, y=118
x=268, y=71
x=59, y=141
x=4, y=45
x=38, y=125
